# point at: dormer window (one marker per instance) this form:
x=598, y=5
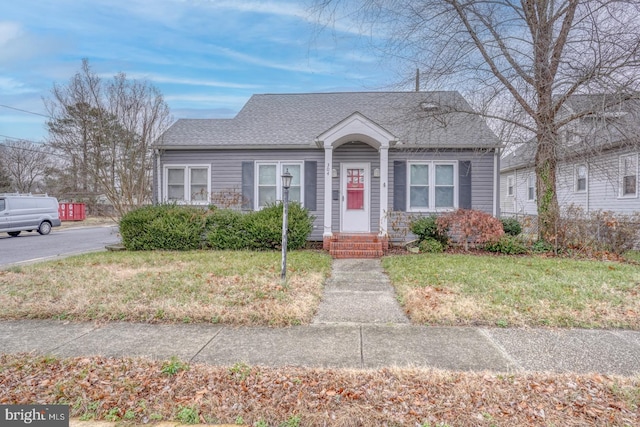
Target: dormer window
x=429, y=106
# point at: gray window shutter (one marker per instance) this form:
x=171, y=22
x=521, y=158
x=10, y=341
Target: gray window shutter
x=464, y=184
x=247, y=185
x=310, y=185
x=399, y=185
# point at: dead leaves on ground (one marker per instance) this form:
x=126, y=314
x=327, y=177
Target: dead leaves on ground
x=136, y=390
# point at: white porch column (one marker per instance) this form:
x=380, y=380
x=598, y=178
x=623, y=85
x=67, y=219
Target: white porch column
x=384, y=188
x=328, y=199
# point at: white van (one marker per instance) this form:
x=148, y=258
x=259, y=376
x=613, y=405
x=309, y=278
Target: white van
x=26, y=212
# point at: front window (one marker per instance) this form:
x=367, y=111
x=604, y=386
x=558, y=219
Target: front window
x=581, y=178
x=510, y=186
x=629, y=174
x=269, y=182
x=419, y=187
x=444, y=186
x=188, y=184
x=432, y=186
x=531, y=187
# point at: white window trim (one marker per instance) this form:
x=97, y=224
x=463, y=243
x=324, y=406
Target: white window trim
x=279, y=194
x=621, y=176
x=575, y=178
x=432, y=185
x=187, y=184
x=510, y=186
x=529, y=177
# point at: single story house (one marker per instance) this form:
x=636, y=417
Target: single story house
x=356, y=158
x=598, y=160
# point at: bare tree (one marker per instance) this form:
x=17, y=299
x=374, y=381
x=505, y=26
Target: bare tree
x=5, y=179
x=530, y=55
x=106, y=128
x=26, y=164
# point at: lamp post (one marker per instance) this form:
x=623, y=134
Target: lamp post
x=286, y=183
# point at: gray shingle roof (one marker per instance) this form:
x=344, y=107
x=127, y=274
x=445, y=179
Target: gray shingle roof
x=298, y=119
x=608, y=122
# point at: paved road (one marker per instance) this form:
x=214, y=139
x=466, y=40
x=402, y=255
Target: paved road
x=32, y=247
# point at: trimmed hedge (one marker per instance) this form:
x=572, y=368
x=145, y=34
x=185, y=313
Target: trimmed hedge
x=168, y=227
x=176, y=227
x=261, y=230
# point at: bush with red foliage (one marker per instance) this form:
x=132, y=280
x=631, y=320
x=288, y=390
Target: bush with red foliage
x=470, y=227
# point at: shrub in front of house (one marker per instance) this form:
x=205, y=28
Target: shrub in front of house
x=175, y=227
x=427, y=228
x=430, y=245
x=265, y=227
x=471, y=227
x=225, y=229
x=511, y=226
x=165, y=227
x=261, y=230
x=507, y=245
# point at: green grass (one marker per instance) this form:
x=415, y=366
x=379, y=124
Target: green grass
x=240, y=287
x=632, y=256
x=516, y=291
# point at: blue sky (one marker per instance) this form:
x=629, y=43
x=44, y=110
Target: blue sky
x=206, y=56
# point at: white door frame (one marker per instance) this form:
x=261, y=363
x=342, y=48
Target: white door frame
x=355, y=222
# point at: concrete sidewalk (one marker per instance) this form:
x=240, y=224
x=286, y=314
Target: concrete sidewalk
x=359, y=325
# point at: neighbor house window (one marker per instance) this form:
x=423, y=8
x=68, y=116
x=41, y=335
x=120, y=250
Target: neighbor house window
x=510, y=186
x=629, y=175
x=581, y=178
x=432, y=185
x=188, y=184
x=531, y=187
x=269, y=182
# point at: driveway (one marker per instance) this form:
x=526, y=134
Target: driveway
x=65, y=241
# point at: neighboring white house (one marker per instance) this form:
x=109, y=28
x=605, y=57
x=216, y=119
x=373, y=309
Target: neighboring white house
x=599, y=160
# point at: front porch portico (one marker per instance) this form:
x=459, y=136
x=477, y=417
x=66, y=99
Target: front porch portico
x=358, y=128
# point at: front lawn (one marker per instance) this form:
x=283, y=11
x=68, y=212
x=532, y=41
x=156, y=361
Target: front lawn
x=448, y=289
x=240, y=288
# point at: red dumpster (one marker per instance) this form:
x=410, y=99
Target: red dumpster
x=71, y=211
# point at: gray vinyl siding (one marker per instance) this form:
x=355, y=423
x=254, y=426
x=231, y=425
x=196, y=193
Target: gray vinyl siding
x=226, y=173
x=602, y=193
x=357, y=153
x=226, y=170
x=482, y=164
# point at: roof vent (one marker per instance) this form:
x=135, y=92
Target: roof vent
x=428, y=106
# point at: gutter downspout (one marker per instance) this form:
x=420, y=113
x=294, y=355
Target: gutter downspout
x=496, y=184
x=158, y=176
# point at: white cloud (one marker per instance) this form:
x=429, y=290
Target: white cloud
x=9, y=86
x=209, y=99
x=269, y=7
x=8, y=32
x=157, y=78
x=17, y=44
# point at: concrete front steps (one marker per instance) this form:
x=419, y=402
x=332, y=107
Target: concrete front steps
x=356, y=245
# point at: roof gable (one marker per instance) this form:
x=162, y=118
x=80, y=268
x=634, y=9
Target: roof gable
x=355, y=126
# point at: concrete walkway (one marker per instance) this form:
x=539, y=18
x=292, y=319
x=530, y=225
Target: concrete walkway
x=358, y=292
x=359, y=325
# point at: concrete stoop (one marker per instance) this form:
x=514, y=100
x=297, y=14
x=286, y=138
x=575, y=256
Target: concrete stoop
x=356, y=245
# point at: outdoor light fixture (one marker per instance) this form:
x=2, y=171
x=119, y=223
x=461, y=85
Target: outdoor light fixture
x=286, y=180
x=286, y=184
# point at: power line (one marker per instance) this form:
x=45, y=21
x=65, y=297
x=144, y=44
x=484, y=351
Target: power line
x=25, y=111
x=22, y=139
